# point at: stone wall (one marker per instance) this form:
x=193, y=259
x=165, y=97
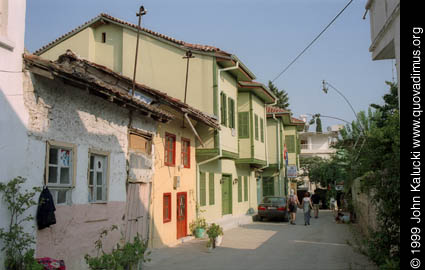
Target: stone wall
x=364, y=209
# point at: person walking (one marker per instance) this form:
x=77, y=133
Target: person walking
x=306, y=206
x=316, y=200
x=293, y=203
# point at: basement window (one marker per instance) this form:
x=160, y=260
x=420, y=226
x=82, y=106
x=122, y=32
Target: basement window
x=103, y=37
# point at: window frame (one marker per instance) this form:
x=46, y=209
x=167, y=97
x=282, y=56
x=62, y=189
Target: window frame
x=183, y=153
x=167, y=150
x=169, y=205
x=105, y=186
x=242, y=125
x=55, y=187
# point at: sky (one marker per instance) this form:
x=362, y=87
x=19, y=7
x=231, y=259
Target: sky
x=265, y=35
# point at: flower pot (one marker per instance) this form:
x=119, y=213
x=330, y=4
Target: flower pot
x=199, y=232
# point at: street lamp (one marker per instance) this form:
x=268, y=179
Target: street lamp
x=326, y=89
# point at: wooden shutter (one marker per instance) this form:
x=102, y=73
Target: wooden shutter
x=223, y=109
x=262, y=129
x=256, y=127
x=243, y=124
x=239, y=189
x=231, y=113
x=245, y=182
x=202, y=190
x=211, y=189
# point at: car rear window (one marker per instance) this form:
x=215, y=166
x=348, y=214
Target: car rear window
x=274, y=200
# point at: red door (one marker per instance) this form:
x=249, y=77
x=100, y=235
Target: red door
x=181, y=214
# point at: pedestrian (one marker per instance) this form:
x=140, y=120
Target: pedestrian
x=316, y=200
x=333, y=204
x=338, y=201
x=292, y=205
x=306, y=206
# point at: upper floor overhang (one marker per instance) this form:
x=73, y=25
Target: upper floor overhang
x=113, y=86
x=258, y=89
x=286, y=117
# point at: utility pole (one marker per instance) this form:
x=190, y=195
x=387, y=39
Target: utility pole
x=187, y=56
x=142, y=12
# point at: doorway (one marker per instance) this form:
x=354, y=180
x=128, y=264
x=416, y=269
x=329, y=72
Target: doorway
x=181, y=214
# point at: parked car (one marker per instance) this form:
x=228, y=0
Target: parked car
x=273, y=207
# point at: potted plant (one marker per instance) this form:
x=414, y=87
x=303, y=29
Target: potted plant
x=213, y=232
x=198, y=227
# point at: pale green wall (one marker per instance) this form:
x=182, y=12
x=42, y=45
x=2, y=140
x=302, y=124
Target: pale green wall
x=161, y=66
x=244, y=144
x=271, y=136
x=109, y=53
x=228, y=85
x=292, y=157
x=259, y=147
x=81, y=43
x=213, y=213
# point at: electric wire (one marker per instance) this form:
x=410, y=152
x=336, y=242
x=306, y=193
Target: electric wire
x=311, y=43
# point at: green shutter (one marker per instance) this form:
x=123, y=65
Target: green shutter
x=245, y=182
x=223, y=109
x=256, y=127
x=262, y=129
x=239, y=189
x=243, y=124
x=290, y=143
x=231, y=113
x=202, y=190
x=211, y=189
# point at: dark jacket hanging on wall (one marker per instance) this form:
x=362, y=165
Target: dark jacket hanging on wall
x=45, y=210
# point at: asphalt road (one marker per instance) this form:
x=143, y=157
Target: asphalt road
x=324, y=245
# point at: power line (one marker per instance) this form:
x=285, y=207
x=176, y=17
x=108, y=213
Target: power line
x=311, y=43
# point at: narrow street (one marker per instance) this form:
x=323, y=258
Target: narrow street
x=270, y=245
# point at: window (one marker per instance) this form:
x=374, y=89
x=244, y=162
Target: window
x=223, y=109
x=103, y=37
x=239, y=189
x=170, y=149
x=245, y=186
x=262, y=129
x=97, y=178
x=166, y=207
x=202, y=190
x=60, y=171
x=243, y=124
x=140, y=143
x=186, y=152
x=268, y=186
x=211, y=189
x=290, y=143
x=231, y=113
x=256, y=127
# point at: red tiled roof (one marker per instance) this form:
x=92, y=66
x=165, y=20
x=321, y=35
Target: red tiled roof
x=272, y=109
x=104, y=16
x=164, y=98
x=297, y=121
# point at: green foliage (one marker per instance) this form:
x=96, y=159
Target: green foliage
x=17, y=242
x=372, y=147
x=198, y=223
x=122, y=257
x=213, y=231
x=282, y=96
x=316, y=120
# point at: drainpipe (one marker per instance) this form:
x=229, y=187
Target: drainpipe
x=220, y=150
x=278, y=151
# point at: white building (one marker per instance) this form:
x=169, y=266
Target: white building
x=13, y=118
x=385, y=31
x=314, y=144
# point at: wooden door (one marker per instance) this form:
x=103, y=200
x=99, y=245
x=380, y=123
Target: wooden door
x=181, y=214
x=226, y=195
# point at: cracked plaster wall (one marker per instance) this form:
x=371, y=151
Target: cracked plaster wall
x=67, y=114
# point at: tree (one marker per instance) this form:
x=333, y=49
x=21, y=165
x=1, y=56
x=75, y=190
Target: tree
x=282, y=96
x=316, y=120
